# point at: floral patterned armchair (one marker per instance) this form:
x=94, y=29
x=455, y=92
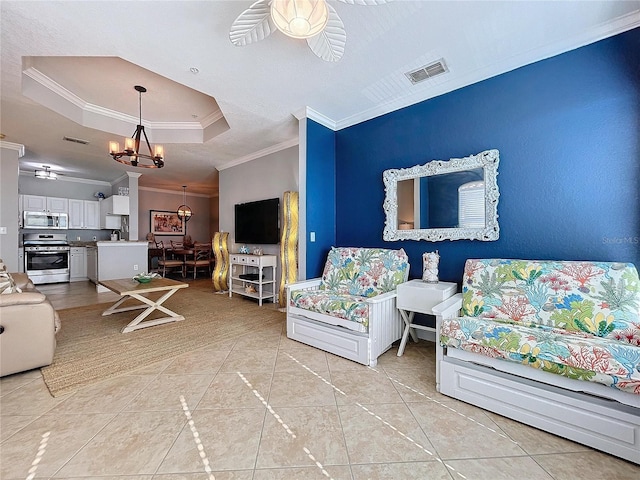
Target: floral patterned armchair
x=356, y=293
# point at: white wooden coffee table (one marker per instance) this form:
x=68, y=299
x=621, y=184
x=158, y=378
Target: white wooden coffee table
x=128, y=288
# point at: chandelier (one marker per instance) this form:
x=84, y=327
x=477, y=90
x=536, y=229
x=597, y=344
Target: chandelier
x=46, y=173
x=184, y=211
x=131, y=154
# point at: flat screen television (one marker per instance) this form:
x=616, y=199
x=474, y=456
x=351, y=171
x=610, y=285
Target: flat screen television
x=258, y=222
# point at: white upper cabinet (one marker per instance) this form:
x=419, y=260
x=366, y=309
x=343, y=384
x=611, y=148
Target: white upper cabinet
x=115, y=205
x=38, y=203
x=57, y=205
x=84, y=214
x=76, y=213
x=92, y=214
x=34, y=203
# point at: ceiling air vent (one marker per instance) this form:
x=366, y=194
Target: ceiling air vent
x=76, y=140
x=428, y=71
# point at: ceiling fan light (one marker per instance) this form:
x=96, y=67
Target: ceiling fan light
x=299, y=18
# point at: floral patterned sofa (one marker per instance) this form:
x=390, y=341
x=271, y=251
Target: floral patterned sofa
x=351, y=310
x=554, y=344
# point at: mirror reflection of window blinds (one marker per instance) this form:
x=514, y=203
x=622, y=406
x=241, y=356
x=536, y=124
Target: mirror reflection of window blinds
x=471, y=208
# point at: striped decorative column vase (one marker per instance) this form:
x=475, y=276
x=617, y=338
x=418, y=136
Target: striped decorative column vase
x=221, y=254
x=288, y=244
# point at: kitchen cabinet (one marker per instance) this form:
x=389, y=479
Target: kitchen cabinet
x=84, y=214
x=38, y=203
x=111, y=211
x=78, y=263
x=76, y=214
x=20, y=210
x=115, y=205
x=92, y=264
x=91, y=214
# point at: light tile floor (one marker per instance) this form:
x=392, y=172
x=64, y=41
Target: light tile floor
x=266, y=407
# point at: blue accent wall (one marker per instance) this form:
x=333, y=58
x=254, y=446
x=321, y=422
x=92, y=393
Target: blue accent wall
x=568, y=132
x=321, y=194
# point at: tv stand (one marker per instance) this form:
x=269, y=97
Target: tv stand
x=253, y=276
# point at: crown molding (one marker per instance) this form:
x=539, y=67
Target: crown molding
x=260, y=153
x=13, y=146
x=46, y=91
x=323, y=120
x=606, y=30
x=174, y=192
x=121, y=178
x=66, y=178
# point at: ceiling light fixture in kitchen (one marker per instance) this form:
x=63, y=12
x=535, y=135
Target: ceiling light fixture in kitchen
x=46, y=174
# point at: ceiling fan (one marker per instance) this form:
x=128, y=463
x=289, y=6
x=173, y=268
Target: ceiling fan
x=313, y=20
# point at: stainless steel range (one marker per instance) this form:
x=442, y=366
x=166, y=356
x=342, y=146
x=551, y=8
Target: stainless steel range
x=46, y=257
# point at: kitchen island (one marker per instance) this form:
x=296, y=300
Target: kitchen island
x=118, y=259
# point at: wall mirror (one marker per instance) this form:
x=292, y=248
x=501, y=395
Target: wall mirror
x=443, y=200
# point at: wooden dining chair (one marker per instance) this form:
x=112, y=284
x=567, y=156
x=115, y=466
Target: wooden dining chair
x=201, y=258
x=166, y=262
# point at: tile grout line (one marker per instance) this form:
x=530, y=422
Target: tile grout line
x=377, y=417
x=285, y=426
x=473, y=420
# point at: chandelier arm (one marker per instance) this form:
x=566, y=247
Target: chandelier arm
x=148, y=144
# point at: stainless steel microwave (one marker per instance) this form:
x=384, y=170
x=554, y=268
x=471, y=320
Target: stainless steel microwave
x=50, y=221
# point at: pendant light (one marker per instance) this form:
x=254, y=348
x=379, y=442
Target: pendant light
x=184, y=211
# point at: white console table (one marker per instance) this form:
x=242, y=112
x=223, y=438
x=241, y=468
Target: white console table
x=416, y=296
x=253, y=276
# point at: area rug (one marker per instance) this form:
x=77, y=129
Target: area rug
x=90, y=347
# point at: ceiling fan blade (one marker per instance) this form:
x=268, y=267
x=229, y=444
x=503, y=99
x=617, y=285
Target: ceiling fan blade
x=252, y=25
x=329, y=43
x=366, y=2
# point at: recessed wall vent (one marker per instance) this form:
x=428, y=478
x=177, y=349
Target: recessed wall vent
x=76, y=140
x=428, y=71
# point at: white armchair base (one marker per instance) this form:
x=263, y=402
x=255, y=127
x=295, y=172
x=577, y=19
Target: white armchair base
x=385, y=327
x=600, y=423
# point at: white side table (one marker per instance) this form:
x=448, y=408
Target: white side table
x=416, y=296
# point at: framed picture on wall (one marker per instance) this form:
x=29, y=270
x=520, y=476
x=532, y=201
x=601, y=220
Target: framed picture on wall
x=166, y=223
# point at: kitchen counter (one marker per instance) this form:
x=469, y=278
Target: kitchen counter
x=122, y=243
x=82, y=244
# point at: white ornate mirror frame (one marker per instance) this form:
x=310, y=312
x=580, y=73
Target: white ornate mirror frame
x=487, y=160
